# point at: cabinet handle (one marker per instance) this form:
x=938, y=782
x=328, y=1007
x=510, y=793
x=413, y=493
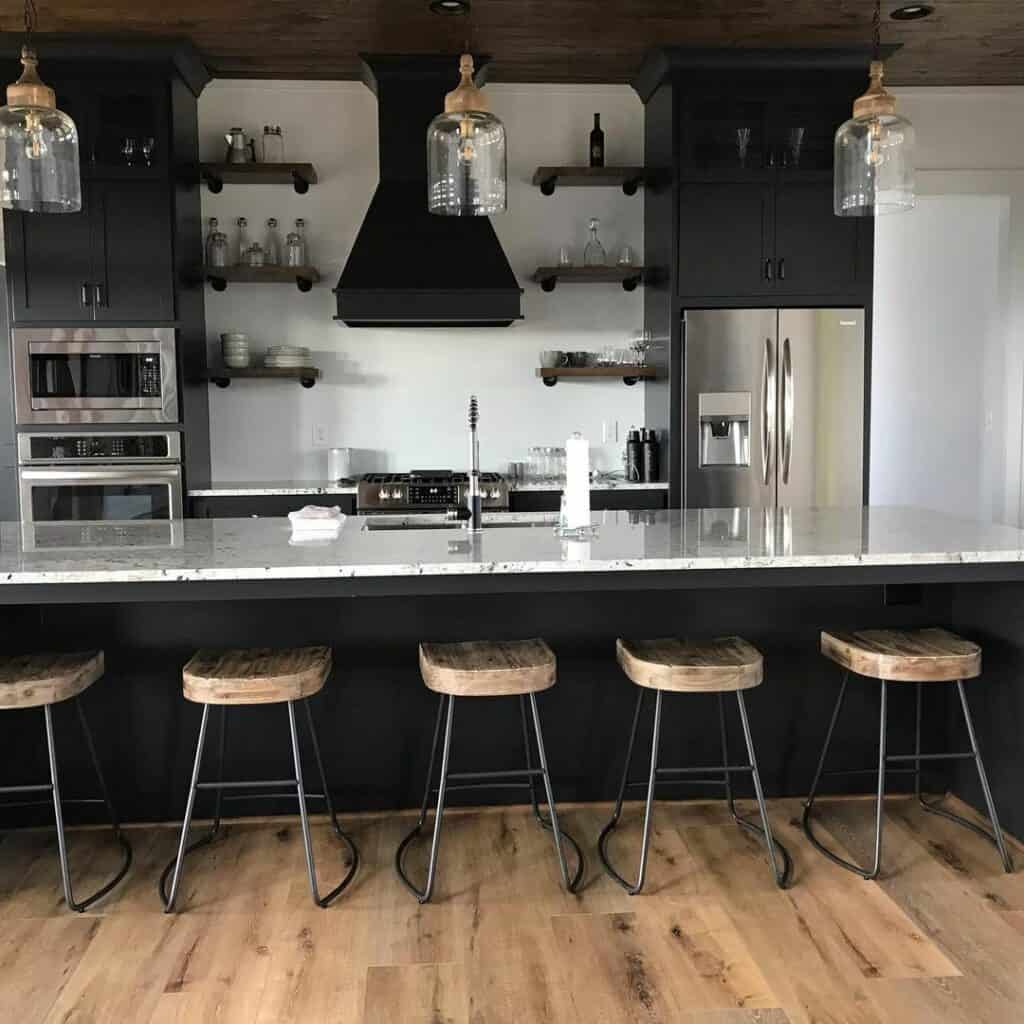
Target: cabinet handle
x=782, y=268
x=85, y=294
x=97, y=291
x=767, y=270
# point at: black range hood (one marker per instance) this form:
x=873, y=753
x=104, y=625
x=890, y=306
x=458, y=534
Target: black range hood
x=409, y=267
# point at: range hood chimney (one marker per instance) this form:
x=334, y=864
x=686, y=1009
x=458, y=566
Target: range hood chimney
x=409, y=267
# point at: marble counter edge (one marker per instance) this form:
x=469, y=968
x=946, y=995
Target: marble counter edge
x=414, y=569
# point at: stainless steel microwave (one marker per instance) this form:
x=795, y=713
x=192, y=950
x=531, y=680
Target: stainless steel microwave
x=95, y=375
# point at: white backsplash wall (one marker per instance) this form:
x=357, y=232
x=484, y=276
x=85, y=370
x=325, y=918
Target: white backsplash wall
x=399, y=396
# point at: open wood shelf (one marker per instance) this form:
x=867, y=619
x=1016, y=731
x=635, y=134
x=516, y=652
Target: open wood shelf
x=628, y=277
x=303, y=277
x=299, y=176
x=629, y=179
x=222, y=376
x=550, y=375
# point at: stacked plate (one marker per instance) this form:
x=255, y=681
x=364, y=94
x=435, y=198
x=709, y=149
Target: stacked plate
x=235, y=350
x=286, y=356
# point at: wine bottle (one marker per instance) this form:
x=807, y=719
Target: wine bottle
x=597, y=144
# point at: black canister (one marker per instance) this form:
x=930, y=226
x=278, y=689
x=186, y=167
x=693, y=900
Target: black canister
x=650, y=456
x=634, y=457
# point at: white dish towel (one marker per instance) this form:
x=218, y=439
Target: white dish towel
x=316, y=520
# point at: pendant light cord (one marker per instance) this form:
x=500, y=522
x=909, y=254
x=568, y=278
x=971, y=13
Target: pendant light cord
x=31, y=17
x=876, y=29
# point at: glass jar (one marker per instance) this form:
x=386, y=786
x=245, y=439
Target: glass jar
x=243, y=240
x=273, y=145
x=254, y=256
x=218, y=252
x=295, y=245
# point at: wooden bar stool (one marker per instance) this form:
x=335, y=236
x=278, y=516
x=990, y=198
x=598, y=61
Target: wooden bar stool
x=241, y=678
x=723, y=665
x=919, y=656
x=508, y=668
x=42, y=680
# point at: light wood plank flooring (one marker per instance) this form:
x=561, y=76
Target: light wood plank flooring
x=711, y=941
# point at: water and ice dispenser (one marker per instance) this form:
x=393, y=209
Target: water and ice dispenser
x=724, y=428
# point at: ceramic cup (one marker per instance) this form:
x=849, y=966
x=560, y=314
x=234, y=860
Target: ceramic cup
x=551, y=358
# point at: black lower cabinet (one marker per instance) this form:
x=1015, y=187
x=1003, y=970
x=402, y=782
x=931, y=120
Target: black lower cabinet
x=600, y=501
x=259, y=506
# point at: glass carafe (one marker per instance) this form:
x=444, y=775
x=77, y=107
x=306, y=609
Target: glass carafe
x=295, y=245
x=243, y=241
x=594, y=254
x=211, y=234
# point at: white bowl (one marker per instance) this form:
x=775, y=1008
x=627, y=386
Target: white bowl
x=234, y=336
x=236, y=362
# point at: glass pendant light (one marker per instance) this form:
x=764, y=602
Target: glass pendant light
x=874, y=150
x=466, y=164
x=38, y=143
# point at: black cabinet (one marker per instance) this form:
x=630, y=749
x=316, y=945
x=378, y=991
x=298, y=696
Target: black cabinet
x=600, y=501
x=259, y=506
x=133, y=273
x=816, y=252
x=110, y=262
x=725, y=238
x=755, y=239
x=113, y=261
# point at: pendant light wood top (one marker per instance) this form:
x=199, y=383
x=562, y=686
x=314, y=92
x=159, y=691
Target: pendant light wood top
x=30, y=90
x=465, y=96
x=877, y=101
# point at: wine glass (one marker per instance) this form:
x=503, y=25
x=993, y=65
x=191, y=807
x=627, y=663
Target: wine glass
x=148, y=147
x=128, y=150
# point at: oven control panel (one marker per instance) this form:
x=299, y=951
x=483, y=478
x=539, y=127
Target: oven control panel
x=149, y=377
x=434, y=494
x=140, y=447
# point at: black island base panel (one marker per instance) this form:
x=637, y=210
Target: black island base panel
x=375, y=717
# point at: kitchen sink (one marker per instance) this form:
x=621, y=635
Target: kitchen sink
x=373, y=524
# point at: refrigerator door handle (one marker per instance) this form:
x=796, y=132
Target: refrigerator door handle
x=787, y=409
x=768, y=393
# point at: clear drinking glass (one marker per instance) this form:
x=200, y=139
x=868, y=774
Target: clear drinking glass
x=594, y=254
x=535, y=465
x=564, y=256
x=626, y=256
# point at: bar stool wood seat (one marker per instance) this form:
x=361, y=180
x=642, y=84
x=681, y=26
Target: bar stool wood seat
x=249, y=677
x=32, y=680
x=256, y=676
x=686, y=666
x=919, y=656
x=500, y=668
x=900, y=655
x=674, y=665
x=43, y=680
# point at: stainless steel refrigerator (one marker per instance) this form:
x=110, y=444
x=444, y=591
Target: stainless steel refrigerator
x=773, y=410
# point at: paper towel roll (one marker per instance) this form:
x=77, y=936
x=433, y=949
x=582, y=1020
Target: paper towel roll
x=577, y=482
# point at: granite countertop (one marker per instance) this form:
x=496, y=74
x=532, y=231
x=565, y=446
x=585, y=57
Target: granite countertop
x=265, y=488
x=512, y=543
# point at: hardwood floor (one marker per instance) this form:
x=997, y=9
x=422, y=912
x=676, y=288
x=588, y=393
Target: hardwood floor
x=940, y=937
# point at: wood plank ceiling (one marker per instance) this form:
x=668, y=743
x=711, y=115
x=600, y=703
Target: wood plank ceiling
x=965, y=42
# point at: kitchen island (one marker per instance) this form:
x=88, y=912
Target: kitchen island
x=150, y=593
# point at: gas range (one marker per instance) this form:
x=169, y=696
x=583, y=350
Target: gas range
x=430, y=490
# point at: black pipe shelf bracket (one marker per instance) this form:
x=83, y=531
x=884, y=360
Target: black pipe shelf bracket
x=299, y=176
x=629, y=277
x=629, y=179
x=303, y=277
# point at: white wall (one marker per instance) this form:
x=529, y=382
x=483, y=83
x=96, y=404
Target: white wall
x=400, y=395
x=948, y=355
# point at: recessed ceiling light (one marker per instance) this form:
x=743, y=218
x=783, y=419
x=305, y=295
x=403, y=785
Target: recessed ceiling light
x=449, y=6
x=912, y=12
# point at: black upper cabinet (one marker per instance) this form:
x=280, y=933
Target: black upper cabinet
x=758, y=221
x=816, y=252
x=725, y=239
x=113, y=261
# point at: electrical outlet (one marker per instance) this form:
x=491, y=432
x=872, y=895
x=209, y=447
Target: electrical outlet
x=320, y=435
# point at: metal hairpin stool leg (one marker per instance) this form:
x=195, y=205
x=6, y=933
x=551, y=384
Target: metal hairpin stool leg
x=46, y=679
x=468, y=669
x=892, y=657
x=718, y=666
x=224, y=677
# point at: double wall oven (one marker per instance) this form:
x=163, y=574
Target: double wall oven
x=87, y=402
